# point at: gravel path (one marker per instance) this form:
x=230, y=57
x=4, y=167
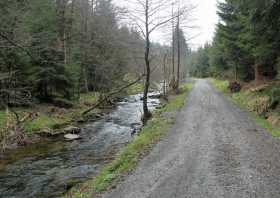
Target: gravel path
x=214, y=150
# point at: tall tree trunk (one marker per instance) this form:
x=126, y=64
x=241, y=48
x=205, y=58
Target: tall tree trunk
x=147, y=113
x=92, y=7
x=84, y=44
x=61, y=9
x=173, y=80
x=179, y=52
x=257, y=72
x=236, y=72
x=85, y=78
x=164, y=75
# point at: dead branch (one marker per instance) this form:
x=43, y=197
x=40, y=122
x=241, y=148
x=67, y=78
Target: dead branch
x=112, y=94
x=17, y=45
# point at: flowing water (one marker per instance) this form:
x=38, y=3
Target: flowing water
x=50, y=168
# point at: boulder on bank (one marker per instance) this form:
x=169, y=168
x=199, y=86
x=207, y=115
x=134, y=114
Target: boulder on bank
x=71, y=137
x=155, y=96
x=72, y=130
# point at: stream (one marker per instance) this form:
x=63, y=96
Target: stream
x=50, y=168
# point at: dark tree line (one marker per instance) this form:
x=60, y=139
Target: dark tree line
x=246, y=45
x=54, y=50
x=57, y=49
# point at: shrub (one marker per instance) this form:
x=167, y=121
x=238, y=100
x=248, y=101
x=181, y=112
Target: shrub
x=258, y=104
x=274, y=98
x=234, y=87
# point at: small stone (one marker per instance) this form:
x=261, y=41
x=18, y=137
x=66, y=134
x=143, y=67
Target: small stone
x=155, y=96
x=71, y=137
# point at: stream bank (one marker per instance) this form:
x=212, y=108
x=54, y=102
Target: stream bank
x=127, y=159
x=47, y=121
x=50, y=168
x=258, y=100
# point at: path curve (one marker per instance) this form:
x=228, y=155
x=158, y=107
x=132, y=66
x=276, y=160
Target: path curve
x=214, y=150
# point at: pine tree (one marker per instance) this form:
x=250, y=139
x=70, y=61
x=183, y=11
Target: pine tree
x=47, y=72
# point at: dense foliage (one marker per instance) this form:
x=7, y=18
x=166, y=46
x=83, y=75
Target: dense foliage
x=58, y=49
x=199, y=62
x=51, y=49
x=246, y=44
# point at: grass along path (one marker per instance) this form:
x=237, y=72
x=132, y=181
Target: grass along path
x=255, y=102
x=128, y=157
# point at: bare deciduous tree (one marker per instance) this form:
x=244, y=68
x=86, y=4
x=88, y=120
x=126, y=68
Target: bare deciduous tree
x=149, y=16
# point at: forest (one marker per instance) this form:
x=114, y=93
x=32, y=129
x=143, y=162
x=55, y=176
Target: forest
x=246, y=43
x=82, y=79
x=79, y=54
x=91, y=88
x=244, y=58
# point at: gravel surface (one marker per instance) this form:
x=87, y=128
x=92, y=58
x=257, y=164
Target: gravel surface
x=213, y=150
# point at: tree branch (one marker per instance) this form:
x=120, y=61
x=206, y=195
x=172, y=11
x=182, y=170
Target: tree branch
x=17, y=45
x=111, y=94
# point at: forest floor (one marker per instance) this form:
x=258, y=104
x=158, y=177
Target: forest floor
x=214, y=149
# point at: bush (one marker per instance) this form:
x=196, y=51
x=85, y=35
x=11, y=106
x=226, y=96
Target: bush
x=258, y=104
x=234, y=87
x=274, y=98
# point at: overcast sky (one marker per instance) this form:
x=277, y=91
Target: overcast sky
x=204, y=16
x=206, y=20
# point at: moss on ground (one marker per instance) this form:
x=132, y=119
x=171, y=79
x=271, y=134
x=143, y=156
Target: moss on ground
x=86, y=99
x=43, y=121
x=2, y=118
x=222, y=85
x=49, y=116
x=128, y=157
x=177, y=101
x=135, y=89
x=255, y=102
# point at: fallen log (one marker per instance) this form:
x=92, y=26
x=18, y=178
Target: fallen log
x=111, y=94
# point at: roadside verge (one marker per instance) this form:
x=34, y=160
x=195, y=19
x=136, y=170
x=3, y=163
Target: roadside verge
x=256, y=103
x=127, y=159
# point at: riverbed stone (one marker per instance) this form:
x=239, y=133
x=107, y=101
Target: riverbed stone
x=72, y=129
x=71, y=137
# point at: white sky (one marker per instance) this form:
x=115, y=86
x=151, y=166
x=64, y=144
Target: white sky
x=204, y=17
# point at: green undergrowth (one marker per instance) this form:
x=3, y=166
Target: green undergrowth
x=47, y=115
x=129, y=156
x=177, y=101
x=221, y=85
x=135, y=89
x=2, y=118
x=44, y=121
x=90, y=97
x=257, y=103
